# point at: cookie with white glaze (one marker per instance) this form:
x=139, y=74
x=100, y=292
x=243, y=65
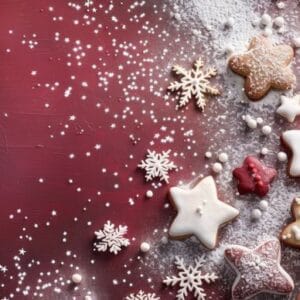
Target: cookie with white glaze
x=290, y=235
x=200, y=212
x=291, y=139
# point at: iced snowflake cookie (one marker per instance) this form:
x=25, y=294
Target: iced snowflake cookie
x=290, y=107
x=194, y=83
x=264, y=66
x=200, y=212
x=190, y=279
x=290, y=235
x=291, y=139
x=254, y=177
x=258, y=270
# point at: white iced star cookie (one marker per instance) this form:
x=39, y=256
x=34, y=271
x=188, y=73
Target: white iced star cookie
x=291, y=138
x=200, y=212
x=290, y=107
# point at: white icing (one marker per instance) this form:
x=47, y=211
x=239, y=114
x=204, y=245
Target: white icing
x=289, y=108
x=292, y=139
x=296, y=232
x=214, y=213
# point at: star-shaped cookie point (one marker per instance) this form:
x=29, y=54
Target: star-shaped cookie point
x=200, y=212
x=291, y=139
x=254, y=177
x=290, y=107
x=258, y=270
x=264, y=66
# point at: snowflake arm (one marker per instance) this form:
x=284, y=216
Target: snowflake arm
x=157, y=165
x=142, y=296
x=111, y=238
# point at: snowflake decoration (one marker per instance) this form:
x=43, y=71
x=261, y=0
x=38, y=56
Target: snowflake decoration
x=142, y=296
x=194, y=83
x=190, y=279
x=111, y=238
x=157, y=165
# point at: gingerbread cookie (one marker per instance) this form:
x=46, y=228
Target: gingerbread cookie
x=264, y=66
x=254, y=177
x=200, y=212
x=258, y=271
x=291, y=139
x=290, y=235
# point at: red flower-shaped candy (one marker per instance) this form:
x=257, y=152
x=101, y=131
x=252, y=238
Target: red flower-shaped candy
x=254, y=177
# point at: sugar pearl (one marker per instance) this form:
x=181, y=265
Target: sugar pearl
x=266, y=20
x=296, y=42
x=267, y=32
x=223, y=157
x=145, y=247
x=76, y=278
x=259, y=121
x=149, y=194
x=280, y=5
x=282, y=156
x=229, y=22
x=266, y=130
x=264, y=151
x=217, y=167
x=251, y=123
x=229, y=49
x=256, y=214
x=263, y=205
x=208, y=154
x=279, y=21
x=87, y=298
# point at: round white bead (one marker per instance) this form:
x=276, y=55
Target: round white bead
x=279, y=21
x=149, y=194
x=256, y=214
x=266, y=20
x=282, y=156
x=251, y=123
x=229, y=49
x=223, y=157
x=296, y=42
x=145, y=247
x=87, y=298
x=229, y=22
x=280, y=5
x=266, y=130
x=263, y=205
x=76, y=278
x=259, y=121
x=208, y=154
x=264, y=151
x=217, y=167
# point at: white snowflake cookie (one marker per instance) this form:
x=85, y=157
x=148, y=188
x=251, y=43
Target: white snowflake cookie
x=157, y=165
x=200, y=212
x=141, y=295
x=193, y=83
x=190, y=279
x=111, y=238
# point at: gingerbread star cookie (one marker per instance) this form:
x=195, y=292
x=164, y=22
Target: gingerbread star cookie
x=258, y=271
x=290, y=235
x=200, y=212
x=264, y=66
x=291, y=139
x=290, y=107
x=254, y=177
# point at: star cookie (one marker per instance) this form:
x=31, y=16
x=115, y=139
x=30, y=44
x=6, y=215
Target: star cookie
x=258, y=270
x=254, y=177
x=291, y=139
x=290, y=235
x=200, y=212
x=289, y=108
x=264, y=66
